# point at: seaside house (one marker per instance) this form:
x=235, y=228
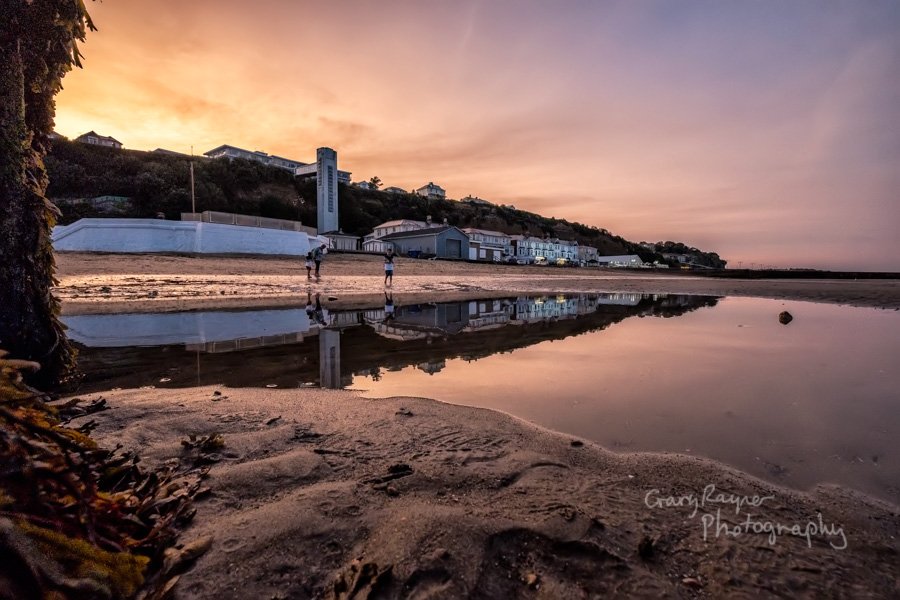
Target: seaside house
x=485, y=244
x=445, y=241
x=587, y=254
x=394, y=190
x=544, y=250
x=342, y=241
x=626, y=260
x=432, y=191
x=372, y=242
x=94, y=138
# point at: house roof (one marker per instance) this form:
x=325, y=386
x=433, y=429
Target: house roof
x=421, y=232
x=340, y=234
x=98, y=136
x=396, y=222
x=485, y=231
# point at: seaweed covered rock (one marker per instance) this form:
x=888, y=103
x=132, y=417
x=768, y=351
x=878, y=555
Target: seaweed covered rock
x=77, y=520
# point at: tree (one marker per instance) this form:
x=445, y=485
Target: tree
x=38, y=46
x=375, y=182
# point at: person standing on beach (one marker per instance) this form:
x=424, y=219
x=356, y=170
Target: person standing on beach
x=389, y=266
x=309, y=264
x=318, y=255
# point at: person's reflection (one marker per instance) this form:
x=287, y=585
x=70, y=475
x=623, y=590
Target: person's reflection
x=317, y=313
x=388, y=307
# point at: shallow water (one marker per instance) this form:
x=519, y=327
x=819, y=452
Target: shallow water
x=809, y=402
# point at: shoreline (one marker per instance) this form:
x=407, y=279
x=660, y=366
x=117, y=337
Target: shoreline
x=415, y=497
x=104, y=284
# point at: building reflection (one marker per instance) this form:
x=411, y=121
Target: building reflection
x=276, y=347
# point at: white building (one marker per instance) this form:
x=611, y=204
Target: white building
x=295, y=166
x=432, y=191
x=372, y=242
x=587, y=254
x=540, y=250
x=626, y=260
x=94, y=138
x=485, y=244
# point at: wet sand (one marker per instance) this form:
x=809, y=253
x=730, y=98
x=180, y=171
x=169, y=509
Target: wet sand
x=113, y=283
x=319, y=491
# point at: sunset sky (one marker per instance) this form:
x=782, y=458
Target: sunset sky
x=767, y=131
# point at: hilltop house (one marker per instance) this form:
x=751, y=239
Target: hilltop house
x=94, y=138
x=294, y=166
x=432, y=191
x=395, y=190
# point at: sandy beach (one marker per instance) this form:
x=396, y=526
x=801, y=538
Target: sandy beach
x=322, y=493
x=112, y=283
x=325, y=494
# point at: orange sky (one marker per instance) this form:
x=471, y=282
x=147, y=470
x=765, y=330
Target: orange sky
x=763, y=130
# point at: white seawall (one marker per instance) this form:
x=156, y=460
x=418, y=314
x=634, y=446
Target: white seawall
x=190, y=237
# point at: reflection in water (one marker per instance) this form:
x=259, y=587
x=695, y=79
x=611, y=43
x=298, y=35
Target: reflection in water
x=270, y=347
x=813, y=401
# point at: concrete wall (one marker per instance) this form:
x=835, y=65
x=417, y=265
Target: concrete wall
x=157, y=235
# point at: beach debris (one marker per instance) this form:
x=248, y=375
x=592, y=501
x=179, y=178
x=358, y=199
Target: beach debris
x=273, y=420
x=176, y=560
x=217, y=393
x=152, y=294
x=361, y=580
x=785, y=317
x=80, y=521
x=332, y=298
x=394, y=472
x=271, y=385
x=577, y=443
x=646, y=548
x=532, y=580
x=405, y=412
x=204, y=444
x=105, y=289
x=165, y=380
x=391, y=490
x=693, y=582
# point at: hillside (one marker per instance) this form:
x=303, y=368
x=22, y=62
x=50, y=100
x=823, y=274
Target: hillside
x=142, y=184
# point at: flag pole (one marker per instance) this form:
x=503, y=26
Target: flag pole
x=193, y=201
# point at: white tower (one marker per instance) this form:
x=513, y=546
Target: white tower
x=326, y=190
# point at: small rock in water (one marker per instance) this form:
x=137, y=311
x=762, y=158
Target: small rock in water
x=271, y=385
x=785, y=317
x=165, y=380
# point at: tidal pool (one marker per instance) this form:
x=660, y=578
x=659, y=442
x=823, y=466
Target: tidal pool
x=813, y=401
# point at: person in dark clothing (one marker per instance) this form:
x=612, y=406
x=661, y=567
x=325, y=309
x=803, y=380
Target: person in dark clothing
x=318, y=255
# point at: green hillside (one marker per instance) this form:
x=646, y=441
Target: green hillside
x=142, y=184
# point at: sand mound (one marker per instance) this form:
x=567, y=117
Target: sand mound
x=322, y=493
